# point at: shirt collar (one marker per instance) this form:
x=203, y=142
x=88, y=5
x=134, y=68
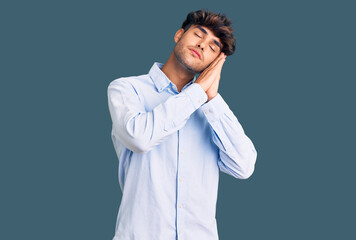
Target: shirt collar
x=160, y=79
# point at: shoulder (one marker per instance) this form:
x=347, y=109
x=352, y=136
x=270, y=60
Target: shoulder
x=130, y=86
x=131, y=81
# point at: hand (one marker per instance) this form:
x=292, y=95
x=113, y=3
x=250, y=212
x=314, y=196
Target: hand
x=211, y=74
x=213, y=89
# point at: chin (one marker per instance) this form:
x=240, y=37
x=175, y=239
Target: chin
x=187, y=60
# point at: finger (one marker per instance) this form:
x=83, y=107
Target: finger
x=221, y=62
x=220, y=65
x=213, y=63
x=216, y=61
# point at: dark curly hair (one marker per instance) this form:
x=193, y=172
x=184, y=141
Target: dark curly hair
x=219, y=24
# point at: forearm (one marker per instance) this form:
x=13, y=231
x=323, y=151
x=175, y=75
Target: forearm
x=236, y=150
x=140, y=131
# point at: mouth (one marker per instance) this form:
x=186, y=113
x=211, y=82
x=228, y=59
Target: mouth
x=195, y=53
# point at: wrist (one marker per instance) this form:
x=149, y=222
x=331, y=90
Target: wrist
x=211, y=97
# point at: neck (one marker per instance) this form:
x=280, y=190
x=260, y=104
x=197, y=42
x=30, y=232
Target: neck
x=176, y=72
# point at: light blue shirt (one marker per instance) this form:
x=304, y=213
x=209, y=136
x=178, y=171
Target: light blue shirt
x=171, y=146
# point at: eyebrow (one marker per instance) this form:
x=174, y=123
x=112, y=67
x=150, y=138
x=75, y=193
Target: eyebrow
x=203, y=30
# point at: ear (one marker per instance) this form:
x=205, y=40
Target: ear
x=178, y=35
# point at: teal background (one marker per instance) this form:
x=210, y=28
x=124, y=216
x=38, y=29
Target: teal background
x=291, y=84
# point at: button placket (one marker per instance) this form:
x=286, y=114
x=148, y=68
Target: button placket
x=181, y=180
x=181, y=186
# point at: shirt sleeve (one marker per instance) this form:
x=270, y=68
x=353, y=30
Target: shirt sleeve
x=237, y=152
x=140, y=130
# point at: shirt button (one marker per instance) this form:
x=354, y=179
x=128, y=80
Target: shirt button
x=207, y=111
x=180, y=205
x=181, y=151
x=200, y=101
x=181, y=179
x=178, y=231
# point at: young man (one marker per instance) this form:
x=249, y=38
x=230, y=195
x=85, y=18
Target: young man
x=173, y=132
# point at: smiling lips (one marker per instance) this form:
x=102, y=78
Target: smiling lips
x=196, y=53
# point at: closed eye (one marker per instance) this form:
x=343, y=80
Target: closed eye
x=210, y=47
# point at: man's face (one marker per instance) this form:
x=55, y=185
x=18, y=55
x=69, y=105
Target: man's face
x=202, y=40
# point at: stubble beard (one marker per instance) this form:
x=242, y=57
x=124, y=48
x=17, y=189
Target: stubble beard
x=179, y=54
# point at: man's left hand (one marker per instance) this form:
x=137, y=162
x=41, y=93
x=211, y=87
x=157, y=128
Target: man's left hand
x=213, y=89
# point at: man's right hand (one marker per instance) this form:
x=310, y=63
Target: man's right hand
x=211, y=73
